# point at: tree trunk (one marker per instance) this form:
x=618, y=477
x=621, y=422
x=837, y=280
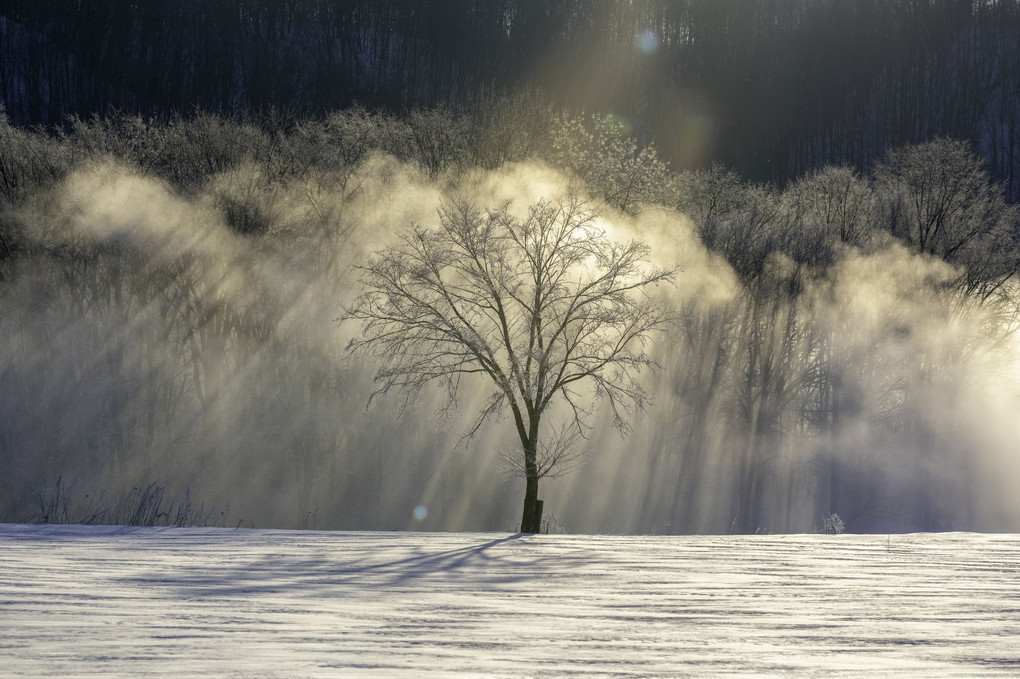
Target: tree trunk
x=530, y=522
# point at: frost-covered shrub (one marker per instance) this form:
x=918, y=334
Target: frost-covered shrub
x=551, y=525
x=832, y=525
x=247, y=198
x=244, y=215
x=29, y=161
x=130, y=139
x=209, y=144
x=436, y=141
x=336, y=145
x=501, y=129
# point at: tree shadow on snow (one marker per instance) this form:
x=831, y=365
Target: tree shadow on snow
x=426, y=564
x=320, y=569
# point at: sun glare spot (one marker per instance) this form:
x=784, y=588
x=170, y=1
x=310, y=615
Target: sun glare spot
x=420, y=513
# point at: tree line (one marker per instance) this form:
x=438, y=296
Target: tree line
x=772, y=90
x=168, y=289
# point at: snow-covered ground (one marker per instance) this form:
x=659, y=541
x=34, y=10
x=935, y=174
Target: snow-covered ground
x=117, y=601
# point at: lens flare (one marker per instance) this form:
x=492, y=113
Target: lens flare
x=647, y=41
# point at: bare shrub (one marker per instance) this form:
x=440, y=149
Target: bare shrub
x=149, y=505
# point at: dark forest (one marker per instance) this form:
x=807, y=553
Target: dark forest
x=190, y=192
x=770, y=89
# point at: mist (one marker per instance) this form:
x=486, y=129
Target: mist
x=179, y=326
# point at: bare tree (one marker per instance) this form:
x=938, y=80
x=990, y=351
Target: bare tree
x=940, y=200
x=548, y=308
x=599, y=151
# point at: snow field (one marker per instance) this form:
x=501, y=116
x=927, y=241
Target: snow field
x=79, y=601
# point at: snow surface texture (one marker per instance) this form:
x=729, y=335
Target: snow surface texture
x=117, y=601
